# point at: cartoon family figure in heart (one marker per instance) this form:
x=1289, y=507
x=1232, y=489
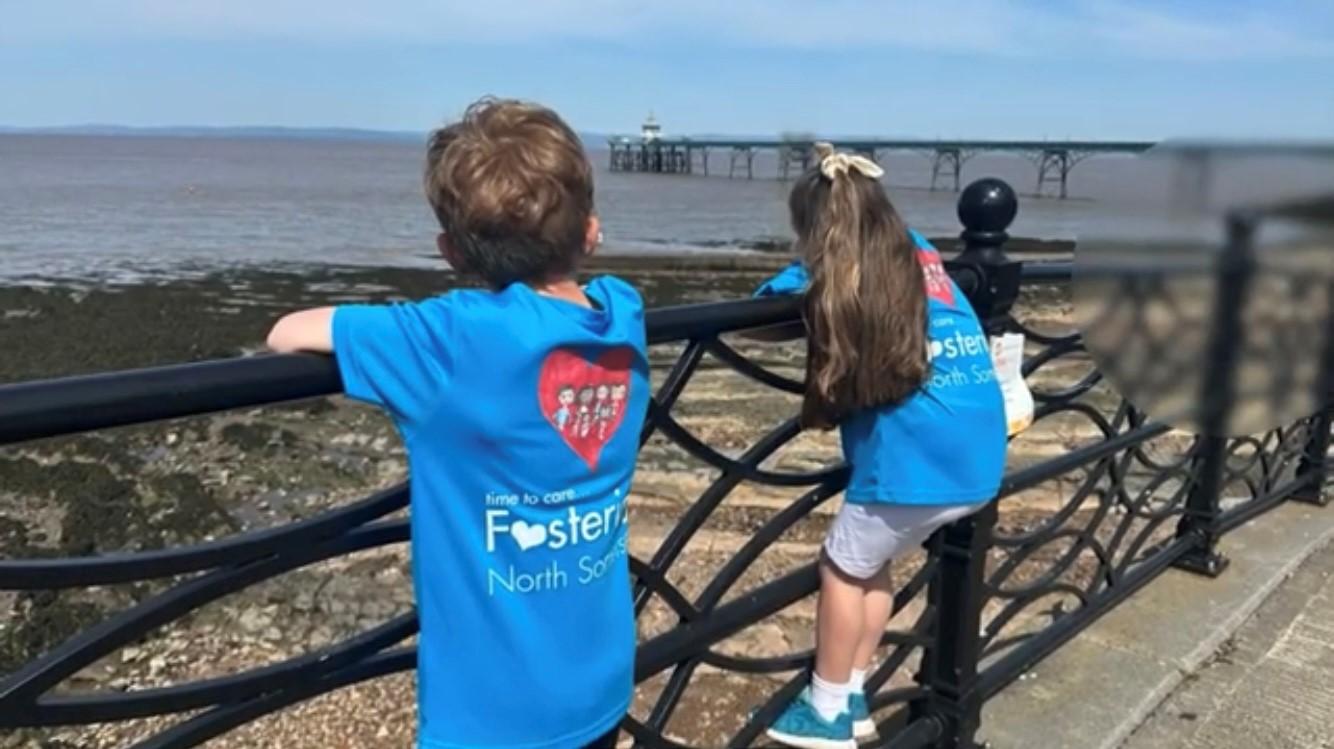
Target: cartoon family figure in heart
x=592, y=409
x=585, y=399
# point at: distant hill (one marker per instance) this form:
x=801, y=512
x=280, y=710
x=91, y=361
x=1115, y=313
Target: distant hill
x=191, y=131
x=591, y=140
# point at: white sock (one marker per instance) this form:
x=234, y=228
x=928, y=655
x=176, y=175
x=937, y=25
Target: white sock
x=858, y=682
x=829, y=700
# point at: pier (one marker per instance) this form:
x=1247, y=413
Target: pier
x=653, y=154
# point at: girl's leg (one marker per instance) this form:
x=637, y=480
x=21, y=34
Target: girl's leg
x=854, y=608
x=839, y=620
x=845, y=565
x=909, y=528
x=877, y=605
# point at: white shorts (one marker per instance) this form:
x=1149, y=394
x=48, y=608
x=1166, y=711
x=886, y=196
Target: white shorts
x=864, y=537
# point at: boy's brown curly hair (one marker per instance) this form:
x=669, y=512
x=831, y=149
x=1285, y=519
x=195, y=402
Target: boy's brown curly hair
x=513, y=190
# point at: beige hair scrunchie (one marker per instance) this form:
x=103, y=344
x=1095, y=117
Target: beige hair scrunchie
x=834, y=163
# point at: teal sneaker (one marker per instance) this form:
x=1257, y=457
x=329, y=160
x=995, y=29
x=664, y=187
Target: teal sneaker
x=862, y=725
x=801, y=726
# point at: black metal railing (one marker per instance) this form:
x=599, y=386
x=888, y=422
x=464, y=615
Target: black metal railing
x=1071, y=537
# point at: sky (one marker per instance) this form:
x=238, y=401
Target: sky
x=1101, y=69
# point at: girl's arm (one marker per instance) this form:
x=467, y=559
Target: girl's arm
x=307, y=330
x=791, y=280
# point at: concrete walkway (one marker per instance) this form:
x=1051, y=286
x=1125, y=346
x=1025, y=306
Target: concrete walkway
x=1245, y=660
x=1271, y=686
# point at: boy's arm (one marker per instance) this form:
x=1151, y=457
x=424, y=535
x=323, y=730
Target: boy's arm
x=307, y=330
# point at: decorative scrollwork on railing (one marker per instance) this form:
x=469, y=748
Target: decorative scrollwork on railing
x=1079, y=532
x=680, y=679
x=726, y=614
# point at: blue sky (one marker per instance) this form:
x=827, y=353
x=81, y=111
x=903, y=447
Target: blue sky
x=934, y=68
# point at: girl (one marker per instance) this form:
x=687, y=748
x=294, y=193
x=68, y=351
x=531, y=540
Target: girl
x=899, y=363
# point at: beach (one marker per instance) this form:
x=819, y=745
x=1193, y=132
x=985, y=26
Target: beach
x=203, y=478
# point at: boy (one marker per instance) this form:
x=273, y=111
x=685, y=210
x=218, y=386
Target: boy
x=518, y=525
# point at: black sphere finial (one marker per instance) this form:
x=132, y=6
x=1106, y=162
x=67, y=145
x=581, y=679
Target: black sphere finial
x=987, y=207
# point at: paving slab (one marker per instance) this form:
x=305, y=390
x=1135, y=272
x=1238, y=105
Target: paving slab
x=1272, y=687
x=1099, y=688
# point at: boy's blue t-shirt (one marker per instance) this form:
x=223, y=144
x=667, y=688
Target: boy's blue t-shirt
x=945, y=444
x=521, y=415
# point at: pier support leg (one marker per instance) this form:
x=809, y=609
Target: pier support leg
x=794, y=153
x=1192, y=180
x=950, y=161
x=1054, y=166
x=740, y=153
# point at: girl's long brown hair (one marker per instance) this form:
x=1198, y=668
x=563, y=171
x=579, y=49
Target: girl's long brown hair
x=866, y=305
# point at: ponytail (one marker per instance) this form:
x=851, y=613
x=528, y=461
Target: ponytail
x=866, y=305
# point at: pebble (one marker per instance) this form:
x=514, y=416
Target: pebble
x=253, y=621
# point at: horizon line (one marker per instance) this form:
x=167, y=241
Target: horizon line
x=99, y=128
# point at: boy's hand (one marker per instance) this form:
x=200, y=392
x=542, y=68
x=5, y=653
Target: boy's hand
x=307, y=330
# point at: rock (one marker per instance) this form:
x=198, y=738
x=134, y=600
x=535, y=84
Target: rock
x=253, y=621
x=766, y=638
x=321, y=636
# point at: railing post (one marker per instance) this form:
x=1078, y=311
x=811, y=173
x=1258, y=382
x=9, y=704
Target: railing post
x=1217, y=394
x=1315, y=459
x=1314, y=467
x=987, y=207
x=958, y=590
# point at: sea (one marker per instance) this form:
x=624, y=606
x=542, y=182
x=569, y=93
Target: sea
x=124, y=207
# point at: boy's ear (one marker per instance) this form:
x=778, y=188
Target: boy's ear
x=447, y=252
x=593, y=236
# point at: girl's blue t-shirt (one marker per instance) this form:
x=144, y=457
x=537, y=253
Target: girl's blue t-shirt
x=945, y=444
x=521, y=415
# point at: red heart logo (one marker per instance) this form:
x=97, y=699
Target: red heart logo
x=585, y=401
x=938, y=286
